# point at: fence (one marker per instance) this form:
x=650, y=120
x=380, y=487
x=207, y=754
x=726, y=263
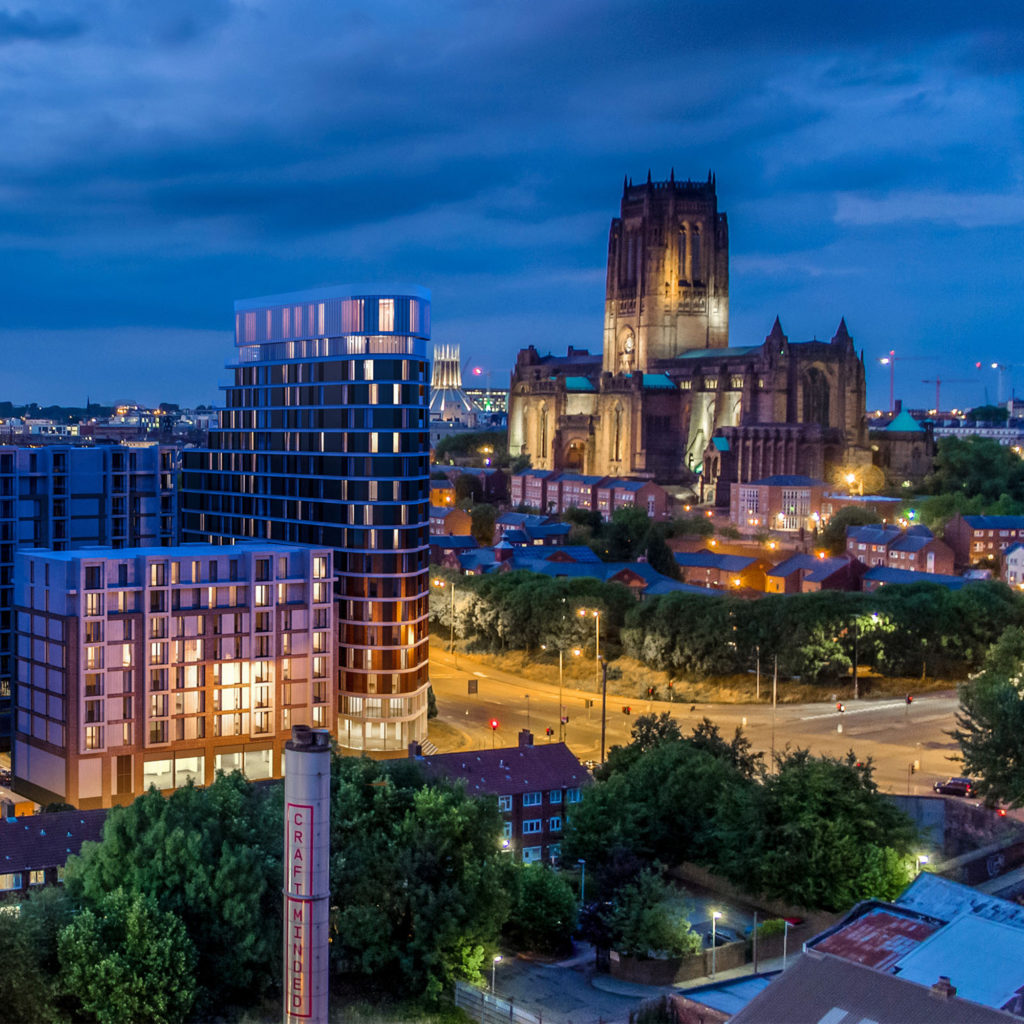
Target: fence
x=489, y=1009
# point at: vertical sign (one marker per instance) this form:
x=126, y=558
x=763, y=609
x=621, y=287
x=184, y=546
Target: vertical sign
x=297, y=911
x=306, y=875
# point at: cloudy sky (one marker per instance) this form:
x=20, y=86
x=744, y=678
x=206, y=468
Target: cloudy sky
x=159, y=160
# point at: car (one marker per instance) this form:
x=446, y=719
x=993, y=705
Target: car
x=957, y=785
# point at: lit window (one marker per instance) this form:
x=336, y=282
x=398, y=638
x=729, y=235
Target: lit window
x=94, y=737
x=37, y=877
x=11, y=880
x=386, y=314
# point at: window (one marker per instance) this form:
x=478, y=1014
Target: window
x=94, y=737
x=572, y=796
x=531, y=825
x=555, y=823
x=12, y=880
x=555, y=796
x=93, y=604
x=533, y=799
x=319, y=568
x=37, y=877
x=157, y=574
x=506, y=829
x=93, y=577
x=262, y=599
x=505, y=803
x=532, y=855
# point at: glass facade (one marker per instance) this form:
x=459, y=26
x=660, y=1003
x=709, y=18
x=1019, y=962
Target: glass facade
x=323, y=441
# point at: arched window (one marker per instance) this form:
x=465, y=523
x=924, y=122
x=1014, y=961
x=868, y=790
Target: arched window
x=543, y=453
x=816, y=397
x=617, y=434
x=696, y=255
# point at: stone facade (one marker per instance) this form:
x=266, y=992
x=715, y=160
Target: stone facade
x=667, y=398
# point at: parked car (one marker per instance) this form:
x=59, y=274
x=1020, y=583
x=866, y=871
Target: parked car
x=955, y=786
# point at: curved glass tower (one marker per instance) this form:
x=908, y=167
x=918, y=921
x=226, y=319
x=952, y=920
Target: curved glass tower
x=323, y=441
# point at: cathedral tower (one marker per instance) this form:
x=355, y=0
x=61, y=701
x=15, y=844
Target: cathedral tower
x=667, y=288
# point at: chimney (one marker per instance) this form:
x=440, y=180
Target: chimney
x=942, y=989
x=525, y=738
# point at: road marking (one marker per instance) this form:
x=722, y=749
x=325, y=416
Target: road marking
x=863, y=709
x=480, y=675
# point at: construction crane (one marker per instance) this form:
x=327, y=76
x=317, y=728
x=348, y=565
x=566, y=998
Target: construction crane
x=1002, y=368
x=890, y=361
x=938, y=381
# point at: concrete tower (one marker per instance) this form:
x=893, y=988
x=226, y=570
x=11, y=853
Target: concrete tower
x=667, y=288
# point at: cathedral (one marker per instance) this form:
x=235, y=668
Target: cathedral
x=668, y=398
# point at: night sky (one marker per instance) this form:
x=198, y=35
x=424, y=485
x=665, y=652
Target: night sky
x=161, y=159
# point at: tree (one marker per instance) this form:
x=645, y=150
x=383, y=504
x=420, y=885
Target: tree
x=833, y=536
x=817, y=834
x=468, y=489
x=28, y=939
x=660, y=557
x=210, y=856
x=976, y=466
x=996, y=415
x=543, y=915
x=650, y=919
x=129, y=961
x=737, y=752
x=625, y=536
x=650, y=730
x=482, y=526
x=417, y=877
x=990, y=722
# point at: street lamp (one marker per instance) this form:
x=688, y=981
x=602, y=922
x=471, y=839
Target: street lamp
x=494, y=963
x=451, y=627
x=785, y=940
x=561, y=709
x=714, y=936
x=922, y=859
x=583, y=874
x=600, y=667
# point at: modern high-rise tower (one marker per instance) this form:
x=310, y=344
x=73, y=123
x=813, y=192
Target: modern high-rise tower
x=324, y=441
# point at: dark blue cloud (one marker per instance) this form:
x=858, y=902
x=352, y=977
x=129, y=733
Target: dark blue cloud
x=160, y=160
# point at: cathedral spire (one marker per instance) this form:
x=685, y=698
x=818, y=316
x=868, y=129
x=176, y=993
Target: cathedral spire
x=842, y=335
x=672, y=175
x=625, y=185
x=648, y=175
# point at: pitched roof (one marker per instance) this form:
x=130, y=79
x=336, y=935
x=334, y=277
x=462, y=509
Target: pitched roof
x=995, y=522
x=793, y=564
x=40, y=841
x=510, y=770
x=904, y=423
x=459, y=540
x=912, y=541
x=820, y=988
x=884, y=574
x=705, y=559
x=874, y=533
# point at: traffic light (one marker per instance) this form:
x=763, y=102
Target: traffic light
x=494, y=724
x=650, y=691
x=626, y=709
x=548, y=731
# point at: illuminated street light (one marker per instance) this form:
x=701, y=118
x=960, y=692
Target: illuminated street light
x=714, y=936
x=601, y=669
x=494, y=963
x=451, y=629
x=922, y=859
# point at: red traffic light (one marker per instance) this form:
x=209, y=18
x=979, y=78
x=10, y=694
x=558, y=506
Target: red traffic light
x=494, y=723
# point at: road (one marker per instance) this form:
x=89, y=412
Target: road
x=893, y=734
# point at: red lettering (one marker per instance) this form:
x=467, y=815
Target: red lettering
x=297, y=984
x=296, y=1002
x=298, y=911
x=297, y=837
x=297, y=817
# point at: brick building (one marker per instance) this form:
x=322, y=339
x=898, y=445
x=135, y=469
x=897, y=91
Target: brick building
x=536, y=788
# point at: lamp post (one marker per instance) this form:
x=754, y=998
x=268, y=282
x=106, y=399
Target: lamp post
x=600, y=668
x=785, y=940
x=856, y=671
x=583, y=875
x=922, y=859
x=494, y=963
x=561, y=709
x=714, y=937
x=451, y=625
